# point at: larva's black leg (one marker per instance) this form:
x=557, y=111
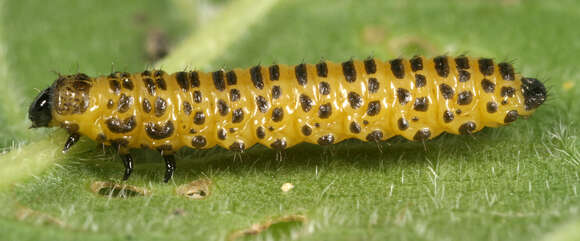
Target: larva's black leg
x=128, y=162
x=169, y=167
x=72, y=139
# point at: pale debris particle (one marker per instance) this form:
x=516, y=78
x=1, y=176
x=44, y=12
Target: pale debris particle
x=286, y=187
x=198, y=189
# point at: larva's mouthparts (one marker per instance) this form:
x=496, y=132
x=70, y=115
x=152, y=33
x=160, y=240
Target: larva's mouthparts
x=534, y=93
x=39, y=112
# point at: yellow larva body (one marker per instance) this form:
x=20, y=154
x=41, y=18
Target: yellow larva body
x=323, y=110
x=280, y=106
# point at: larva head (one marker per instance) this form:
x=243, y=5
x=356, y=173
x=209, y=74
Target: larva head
x=534, y=93
x=68, y=95
x=40, y=110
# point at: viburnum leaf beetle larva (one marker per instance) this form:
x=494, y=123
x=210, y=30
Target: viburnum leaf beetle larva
x=280, y=106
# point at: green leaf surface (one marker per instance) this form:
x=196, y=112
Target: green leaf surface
x=517, y=182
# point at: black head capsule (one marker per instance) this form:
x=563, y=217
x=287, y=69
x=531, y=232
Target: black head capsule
x=534, y=93
x=40, y=110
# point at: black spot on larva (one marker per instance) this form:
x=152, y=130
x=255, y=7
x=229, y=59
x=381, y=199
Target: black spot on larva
x=157, y=131
x=507, y=91
x=326, y=140
x=322, y=69
x=467, y=128
x=354, y=127
x=365, y=122
x=324, y=111
x=237, y=115
x=301, y=74
x=233, y=130
x=422, y=134
x=197, y=96
x=218, y=80
x=355, y=100
x=85, y=86
x=446, y=91
x=370, y=66
x=511, y=116
x=373, y=86
x=398, y=68
x=237, y=146
x=416, y=63
x=277, y=114
x=182, y=81
x=448, y=116
x=464, y=76
x=187, y=108
x=305, y=102
x=274, y=72
x=125, y=103
x=234, y=95
x=223, y=108
x=420, y=80
x=306, y=130
x=415, y=119
x=222, y=134
x=199, y=118
x=487, y=86
x=458, y=111
x=146, y=73
x=149, y=85
x=441, y=66
x=110, y=104
x=403, y=95
x=256, y=76
x=231, y=77
x=504, y=102
x=194, y=76
x=485, y=66
x=491, y=107
x=127, y=83
x=324, y=88
x=507, y=71
x=421, y=104
x=114, y=75
x=161, y=84
x=349, y=71
x=276, y=91
x=462, y=62
x=198, y=142
x=262, y=104
x=159, y=73
x=279, y=144
x=374, y=108
x=115, y=85
x=375, y=136
x=260, y=132
x=192, y=131
x=464, y=98
x=271, y=128
x=403, y=124
x=146, y=106
x=160, y=106
x=101, y=138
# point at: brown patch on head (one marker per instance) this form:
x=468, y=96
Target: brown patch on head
x=71, y=96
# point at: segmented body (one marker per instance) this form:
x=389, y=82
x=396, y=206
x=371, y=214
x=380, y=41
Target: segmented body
x=280, y=106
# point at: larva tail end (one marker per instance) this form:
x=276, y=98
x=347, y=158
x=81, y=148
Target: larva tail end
x=534, y=93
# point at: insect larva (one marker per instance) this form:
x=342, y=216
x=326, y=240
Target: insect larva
x=280, y=106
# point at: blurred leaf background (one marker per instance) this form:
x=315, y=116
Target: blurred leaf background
x=513, y=183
